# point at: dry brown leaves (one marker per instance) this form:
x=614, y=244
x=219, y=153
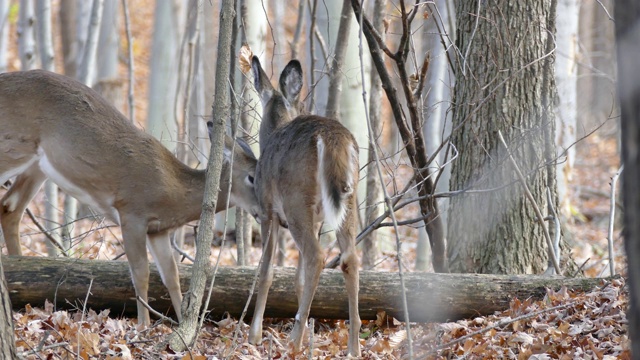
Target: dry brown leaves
x=564, y=325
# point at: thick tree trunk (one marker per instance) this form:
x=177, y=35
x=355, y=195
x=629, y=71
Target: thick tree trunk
x=627, y=14
x=503, y=84
x=7, y=342
x=430, y=297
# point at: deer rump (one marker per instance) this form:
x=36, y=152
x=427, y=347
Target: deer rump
x=309, y=146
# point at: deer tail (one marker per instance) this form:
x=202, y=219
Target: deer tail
x=337, y=169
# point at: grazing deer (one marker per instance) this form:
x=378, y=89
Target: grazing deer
x=307, y=173
x=52, y=126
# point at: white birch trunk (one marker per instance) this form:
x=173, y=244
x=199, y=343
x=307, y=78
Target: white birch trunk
x=163, y=79
x=86, y=72
x=437, y=105
x=566, y=67
x=51, y=206
x=4, y=33
x=26, y=35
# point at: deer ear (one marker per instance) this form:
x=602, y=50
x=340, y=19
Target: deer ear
x=246, y=148
x=210, y=129
x=261, y=80
x=291, y=81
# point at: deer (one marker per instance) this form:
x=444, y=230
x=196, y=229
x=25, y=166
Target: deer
x=52, y=126
x=307, y=174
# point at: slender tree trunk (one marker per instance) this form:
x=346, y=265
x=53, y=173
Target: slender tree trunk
x=495, y=230
x=253, y=25
x=86, y=74
x=7, y=341
x=26, y=35
x=108, y=82
x=437, y=35
x=374, y=198
x=627, y=15
x=187, y=83
x=566, y=109
x=185, y=334
x=67, y=17
x=4, y=33
x=163, y=79
x=45, y=42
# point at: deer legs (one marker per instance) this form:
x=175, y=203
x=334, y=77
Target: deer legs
x=15, y=201
x=160, y=247
x=349, y=264
x=268, y=230
x=309, y=270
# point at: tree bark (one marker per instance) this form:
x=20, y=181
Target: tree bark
x=163, y=78
x=186, y=333
x=7, y=341
x=627, y=14
x=437, y=35
x=45, y=43
x=374, y=197
x=566, y=109
x=431, y=297
x=67, y=19
x=4, y=33
x=504, y=83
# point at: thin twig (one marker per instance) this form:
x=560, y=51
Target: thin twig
x=529, y=196
x=161, y=316
x=175, y=246
x=46, y=233
x=612, y=214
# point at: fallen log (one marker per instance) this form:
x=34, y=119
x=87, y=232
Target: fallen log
x=430, y=297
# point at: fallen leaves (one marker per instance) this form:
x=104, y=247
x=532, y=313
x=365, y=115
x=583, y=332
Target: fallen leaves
x=563, y=325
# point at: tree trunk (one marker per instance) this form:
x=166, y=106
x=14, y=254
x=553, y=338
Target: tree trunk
x=67, y=19
x=26, y=35
x=163, y=78
x=627, y=14
x=253, y=26
x=86, y=74
x=186, y=333
x=45, y=43
x=108, y=82
x=503, y=84
x=374, y=206
x=4, y=33
x=437, y=36
x=7, y=342
x=431, y=297
x=566, y=109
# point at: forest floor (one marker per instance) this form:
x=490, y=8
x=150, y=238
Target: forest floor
x=563, y=325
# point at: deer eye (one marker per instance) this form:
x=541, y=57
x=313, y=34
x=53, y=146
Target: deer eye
x=250, y=179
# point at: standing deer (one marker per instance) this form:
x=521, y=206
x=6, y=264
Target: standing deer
x=54, y=127
x=307, y=174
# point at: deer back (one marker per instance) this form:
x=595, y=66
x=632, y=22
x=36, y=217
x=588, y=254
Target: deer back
x=97, y=155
